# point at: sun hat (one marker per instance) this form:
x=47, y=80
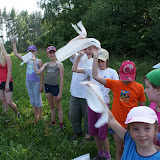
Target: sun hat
x=104, y=55
x=127, y=71
x=50, y=48
x=154, y=77
x=32, y=47
x=141, y=114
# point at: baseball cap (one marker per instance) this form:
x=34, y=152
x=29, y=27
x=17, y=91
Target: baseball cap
x=154, y=77
x=104, y=55
x=50, y=48
x=32, y=47
x=127, y=71
x=141, y=114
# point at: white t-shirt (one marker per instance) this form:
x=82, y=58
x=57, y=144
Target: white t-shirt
x=77, y=89
x=108, y=73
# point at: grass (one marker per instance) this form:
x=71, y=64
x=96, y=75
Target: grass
x=21, y=139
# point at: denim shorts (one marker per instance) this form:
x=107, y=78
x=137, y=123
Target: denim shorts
x=34, y=93
x=2, y=86
x=53, y=89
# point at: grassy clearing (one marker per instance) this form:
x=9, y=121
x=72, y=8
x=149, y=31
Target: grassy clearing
x=21, y=139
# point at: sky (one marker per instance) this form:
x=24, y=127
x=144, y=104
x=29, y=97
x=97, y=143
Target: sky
x=19, y=5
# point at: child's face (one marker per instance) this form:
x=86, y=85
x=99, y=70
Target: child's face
x=88, y=51
x=51, y=54
x=101, y=64
x=142, y=133
x=33, y=52
x=152, y=93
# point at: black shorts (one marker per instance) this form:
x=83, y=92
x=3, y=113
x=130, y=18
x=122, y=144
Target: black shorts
x=53, y=89
x=2, y=86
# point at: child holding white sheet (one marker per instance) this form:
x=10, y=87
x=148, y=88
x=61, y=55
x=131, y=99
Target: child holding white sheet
x=100, y=134
x=34, y=83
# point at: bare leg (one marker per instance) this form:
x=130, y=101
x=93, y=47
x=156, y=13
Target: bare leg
x=52, y=105
x=60, y=110
x=36, y=115
x=8, y=97
x=98, y=143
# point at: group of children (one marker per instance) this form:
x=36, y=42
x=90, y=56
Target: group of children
x=134, y=126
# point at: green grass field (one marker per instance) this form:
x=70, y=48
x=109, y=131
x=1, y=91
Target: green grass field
x=23, y=140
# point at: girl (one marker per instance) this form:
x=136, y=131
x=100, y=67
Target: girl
x=100, y=134
x=34, y=84
x=53, y=92
x=141, y=128
x=152, y=90
x=6, y=82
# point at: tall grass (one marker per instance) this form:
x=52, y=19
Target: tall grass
x=23, y=140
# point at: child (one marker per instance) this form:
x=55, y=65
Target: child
x=6, y=82
x=126, y=94
x=138, y=138
x=152, y=90
x=53, y=91
x=34, y=84
x=78, y=103
x=100, y=134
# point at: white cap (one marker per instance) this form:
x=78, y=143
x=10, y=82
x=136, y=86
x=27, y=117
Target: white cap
x=104, y=55
x=141, y=114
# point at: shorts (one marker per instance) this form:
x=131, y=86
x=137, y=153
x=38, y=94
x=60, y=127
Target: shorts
x=34, y=93
x=2, y=86
x=92, y=119
x=53, y=89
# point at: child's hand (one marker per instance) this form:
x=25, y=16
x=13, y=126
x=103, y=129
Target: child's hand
x=33, y=58
x=14, y=40
x=7, y=88
x=59, y=96
x=96, y=51
x=81, y=53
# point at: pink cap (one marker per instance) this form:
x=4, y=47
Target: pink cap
x=141, y=114
x=50, y=48
x=127, y=71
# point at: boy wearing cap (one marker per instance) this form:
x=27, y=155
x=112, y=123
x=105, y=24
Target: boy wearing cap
x=126, y=94
x=142, y=126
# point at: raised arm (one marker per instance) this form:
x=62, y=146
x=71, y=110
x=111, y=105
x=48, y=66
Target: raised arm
x=15, y=50
x=95, y=75
x=61, y=70
x=118, y=129
x=9, y=68
x=75, y=64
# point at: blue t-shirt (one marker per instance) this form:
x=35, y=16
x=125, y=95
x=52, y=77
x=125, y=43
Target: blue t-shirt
x=130, y=152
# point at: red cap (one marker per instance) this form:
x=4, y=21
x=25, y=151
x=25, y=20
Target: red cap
x=50, y=48
x=127, y=71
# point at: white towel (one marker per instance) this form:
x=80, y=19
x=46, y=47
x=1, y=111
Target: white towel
x=96, y=102
x=26, y=57
x=85, y=62
x=75, y=46
x=83, y=157
x=157, y=65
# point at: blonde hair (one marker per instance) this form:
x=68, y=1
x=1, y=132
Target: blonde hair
x=2, y=54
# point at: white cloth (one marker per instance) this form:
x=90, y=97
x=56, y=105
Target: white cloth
x=96, y=102
x=108, y=73
x=82, y=30
x=84, y=60
x=83, y=157
x=75, y=46
x=26, y=57
x=157, y=65
x=13, y=37
x=76, y=88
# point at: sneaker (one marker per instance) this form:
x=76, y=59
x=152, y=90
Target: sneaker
x=86, y=140
x=75, y=136
x=98, y=157
x=19, y=115
x=60, y=129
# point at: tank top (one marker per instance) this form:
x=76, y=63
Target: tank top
x=30, y=73
x=52, y=75
x=3, y=73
